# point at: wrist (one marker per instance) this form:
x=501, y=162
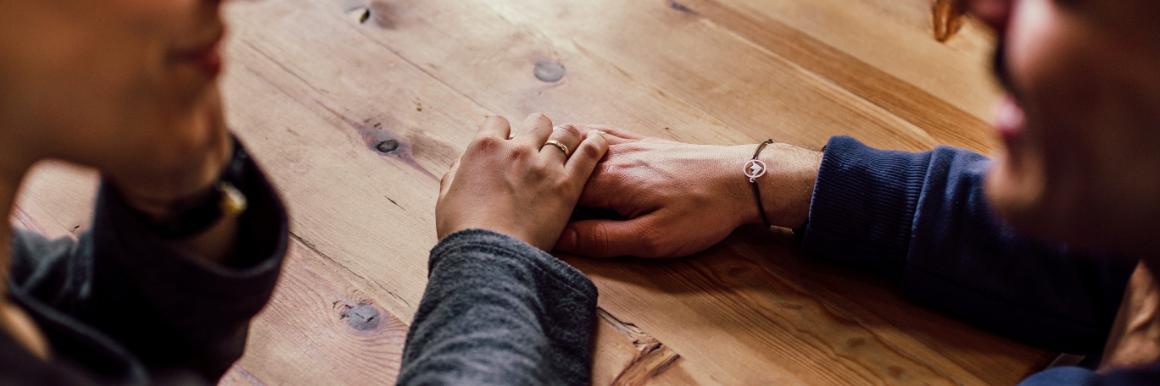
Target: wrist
x=786, y=188
x=736, y=184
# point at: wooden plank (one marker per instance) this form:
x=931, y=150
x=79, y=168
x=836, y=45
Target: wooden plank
x=895, y=37
x=945, y=121
x=687, y=63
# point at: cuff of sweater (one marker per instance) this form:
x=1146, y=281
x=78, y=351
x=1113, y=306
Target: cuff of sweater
x=863, y=205
x=516, y=251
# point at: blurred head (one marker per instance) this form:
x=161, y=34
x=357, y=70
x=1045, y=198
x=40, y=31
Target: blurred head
x=1079, y=159
x=97, y=82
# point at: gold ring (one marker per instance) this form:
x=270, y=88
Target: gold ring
x=561, y=146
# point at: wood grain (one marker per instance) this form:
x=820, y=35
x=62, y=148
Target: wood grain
x=355, y=107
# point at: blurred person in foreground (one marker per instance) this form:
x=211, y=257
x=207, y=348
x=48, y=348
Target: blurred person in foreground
x=188, y=235
x=1028, y=244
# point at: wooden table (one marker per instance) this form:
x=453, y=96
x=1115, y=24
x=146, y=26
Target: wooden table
x=357, y=108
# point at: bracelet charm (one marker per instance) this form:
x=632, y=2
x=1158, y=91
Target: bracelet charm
x=754, y=169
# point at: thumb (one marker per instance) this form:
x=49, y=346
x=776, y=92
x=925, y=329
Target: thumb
x=605, y=238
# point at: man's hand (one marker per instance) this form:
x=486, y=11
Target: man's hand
x=679, y=199
x=519, y=186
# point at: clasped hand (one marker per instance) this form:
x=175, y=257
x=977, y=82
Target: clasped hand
x=672, y=199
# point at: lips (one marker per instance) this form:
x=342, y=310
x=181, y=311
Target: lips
x=1010, y=123
x=1010, y=119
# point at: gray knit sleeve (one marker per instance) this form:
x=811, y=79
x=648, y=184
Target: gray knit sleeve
x=499, y=311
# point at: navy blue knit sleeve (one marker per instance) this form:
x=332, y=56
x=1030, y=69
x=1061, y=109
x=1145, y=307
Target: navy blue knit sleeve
x=922, y=219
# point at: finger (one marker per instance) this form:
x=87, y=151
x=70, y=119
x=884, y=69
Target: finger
x=494, y=127
x=625, y=134
x=601, y=193
x=612, y=139
x=604, y=238
x=568, y=136
x=448, y=178
x=586, y=156
x=444, y=182
x=605, y=189
x=535, y=131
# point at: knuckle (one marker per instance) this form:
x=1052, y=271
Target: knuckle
x=591, y=150
x=486, y=144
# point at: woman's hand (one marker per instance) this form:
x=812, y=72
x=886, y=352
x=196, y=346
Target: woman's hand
x=679, y=199
x=521, y=187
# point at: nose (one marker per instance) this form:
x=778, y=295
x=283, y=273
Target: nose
x=993, y=12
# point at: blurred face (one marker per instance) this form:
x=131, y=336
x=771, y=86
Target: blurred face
x=1079, y=160
x=103, y=82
